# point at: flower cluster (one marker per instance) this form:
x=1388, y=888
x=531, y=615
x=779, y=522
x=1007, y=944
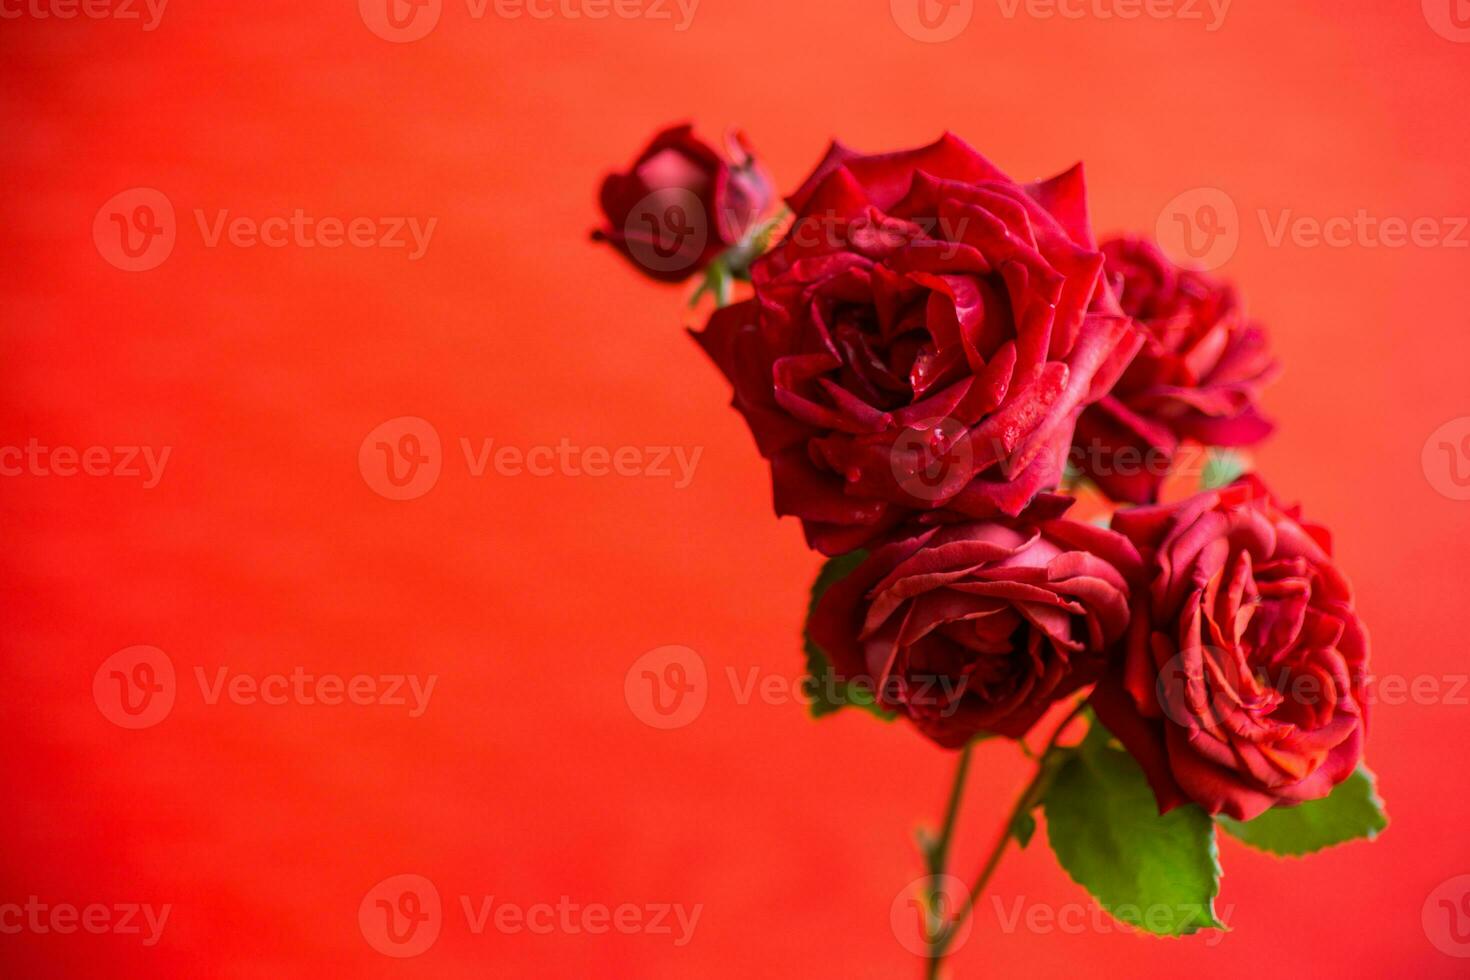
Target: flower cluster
x=920, y=355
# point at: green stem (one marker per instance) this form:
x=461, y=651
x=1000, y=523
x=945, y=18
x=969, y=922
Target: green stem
x=939, y=856
x=936, y=852
x=1028, y=799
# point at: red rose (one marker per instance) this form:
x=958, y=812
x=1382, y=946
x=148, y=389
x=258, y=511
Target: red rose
x=979, y=627
x=1198, y=375
x=681, y=204
x=1242, y=685
x=922, y=338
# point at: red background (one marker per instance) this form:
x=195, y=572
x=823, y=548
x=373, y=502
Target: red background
x=528, y=778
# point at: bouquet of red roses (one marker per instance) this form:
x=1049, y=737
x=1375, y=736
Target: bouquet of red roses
x=937, y=362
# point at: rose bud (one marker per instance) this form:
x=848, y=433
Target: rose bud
x=922, y=339
x=978, y=627
x=681, y=203
x=1242, y=684
x=1198, y=375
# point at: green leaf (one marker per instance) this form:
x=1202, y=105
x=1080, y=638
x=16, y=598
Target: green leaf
x=1023, y=828
x=1221, y=469
x=1352, y=811
x=826, y=692
x=1158, y=873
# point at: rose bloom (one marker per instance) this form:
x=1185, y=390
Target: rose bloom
x=921, y=339
x=1198, y=375
x=1242, y=684
x=979, y=627
x=681, y=203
